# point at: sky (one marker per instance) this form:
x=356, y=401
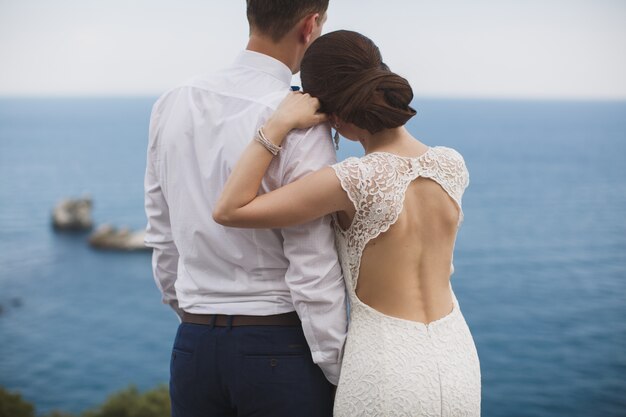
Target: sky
x=540, y=49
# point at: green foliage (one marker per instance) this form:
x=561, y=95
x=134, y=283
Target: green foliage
x=130, y=403
x=57, y=413
x=12, y=405
x=126, y=403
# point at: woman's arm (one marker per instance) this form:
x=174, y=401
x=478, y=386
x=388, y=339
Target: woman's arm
x=313, y=196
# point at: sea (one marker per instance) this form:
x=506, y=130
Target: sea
x=540, y=259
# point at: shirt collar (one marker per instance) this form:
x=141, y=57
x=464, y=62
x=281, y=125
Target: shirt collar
x=265, y=63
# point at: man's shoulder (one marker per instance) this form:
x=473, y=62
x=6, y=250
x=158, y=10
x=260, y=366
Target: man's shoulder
x=312, y=147
x=225, y=85
x=319, y=133
x=206, y=82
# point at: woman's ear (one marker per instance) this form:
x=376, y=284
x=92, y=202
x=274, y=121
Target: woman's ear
x=333, y=120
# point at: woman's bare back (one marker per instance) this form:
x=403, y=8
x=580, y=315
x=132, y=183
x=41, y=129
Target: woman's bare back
x=405, y=271
x=405, y=264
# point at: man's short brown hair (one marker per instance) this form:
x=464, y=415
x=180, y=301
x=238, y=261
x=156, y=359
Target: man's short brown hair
x=277, y=17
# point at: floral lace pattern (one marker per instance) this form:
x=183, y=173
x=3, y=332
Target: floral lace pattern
x=391, y=366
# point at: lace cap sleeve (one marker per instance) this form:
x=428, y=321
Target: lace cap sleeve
x=349, y=175
x=453, y=176
x=454, y=172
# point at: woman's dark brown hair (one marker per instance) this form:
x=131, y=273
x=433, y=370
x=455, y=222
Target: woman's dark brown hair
x=345, y=71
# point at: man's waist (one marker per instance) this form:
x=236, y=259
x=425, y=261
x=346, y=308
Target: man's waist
x=225, y=320
x=271, y=301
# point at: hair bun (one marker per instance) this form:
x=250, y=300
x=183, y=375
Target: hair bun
x=378, y=99
x=345, y=71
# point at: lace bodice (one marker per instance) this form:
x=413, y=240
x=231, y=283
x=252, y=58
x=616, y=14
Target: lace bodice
x=376, y=185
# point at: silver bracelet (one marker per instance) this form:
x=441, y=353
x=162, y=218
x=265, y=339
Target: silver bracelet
x=272, y=148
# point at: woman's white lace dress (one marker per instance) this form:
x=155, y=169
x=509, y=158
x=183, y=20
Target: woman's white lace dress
x=394, y=367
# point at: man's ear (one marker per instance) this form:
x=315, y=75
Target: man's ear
x=308, y=25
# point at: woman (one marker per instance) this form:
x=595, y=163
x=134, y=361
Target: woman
x=398, y=208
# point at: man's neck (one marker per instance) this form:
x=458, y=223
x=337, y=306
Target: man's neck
x=281, y=51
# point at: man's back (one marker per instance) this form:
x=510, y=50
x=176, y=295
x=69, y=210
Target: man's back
x=240, y=348
x=197, y=133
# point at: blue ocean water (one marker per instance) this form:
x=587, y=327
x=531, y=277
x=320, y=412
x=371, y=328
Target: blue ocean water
x=540, y=261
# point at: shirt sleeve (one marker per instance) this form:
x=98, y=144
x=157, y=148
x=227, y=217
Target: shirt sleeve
x=314, y=274
x=159, y=231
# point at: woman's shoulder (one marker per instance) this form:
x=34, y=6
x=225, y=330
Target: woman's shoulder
x=448, y=152
x=362, y=166
x=351, y=162
x=452, y=164
x=450, y=156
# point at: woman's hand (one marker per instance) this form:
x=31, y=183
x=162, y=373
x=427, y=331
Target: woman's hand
x=296, y=111
x=239, y=206
x=311, y=197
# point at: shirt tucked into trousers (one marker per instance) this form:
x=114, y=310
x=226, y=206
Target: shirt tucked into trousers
x=197, y=133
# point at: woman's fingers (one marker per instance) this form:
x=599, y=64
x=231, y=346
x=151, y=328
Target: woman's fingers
x=299, y=111
x=321, y=118
x=310, y=115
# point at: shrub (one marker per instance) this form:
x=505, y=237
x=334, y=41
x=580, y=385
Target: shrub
x=12, y=405
x=131, y=403
x=126, y=403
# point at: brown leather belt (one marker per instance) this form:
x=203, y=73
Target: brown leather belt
x=223, y=320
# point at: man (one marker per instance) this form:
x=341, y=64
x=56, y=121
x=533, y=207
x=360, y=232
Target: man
x=263, y=311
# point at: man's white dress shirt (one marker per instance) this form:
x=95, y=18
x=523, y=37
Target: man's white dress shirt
x=197, y=133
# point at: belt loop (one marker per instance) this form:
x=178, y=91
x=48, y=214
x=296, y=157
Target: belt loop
x=213, y=319
x=230, y=322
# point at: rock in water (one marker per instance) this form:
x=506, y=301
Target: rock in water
x=73, y=214
x=108, y=237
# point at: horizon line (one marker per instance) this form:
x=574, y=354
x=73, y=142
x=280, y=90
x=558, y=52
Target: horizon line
x=416, y=97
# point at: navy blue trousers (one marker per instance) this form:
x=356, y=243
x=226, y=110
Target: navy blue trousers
x=246, y=371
